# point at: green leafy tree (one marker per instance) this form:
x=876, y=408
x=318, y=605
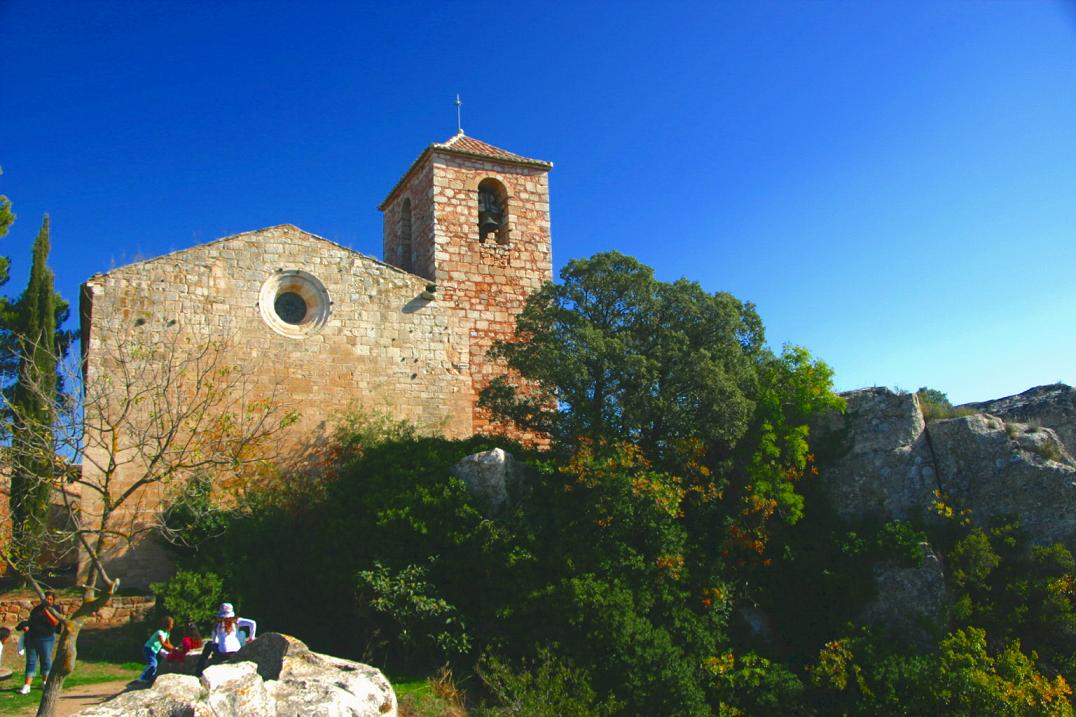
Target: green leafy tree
x=611, y=354
x=34, y=463
x=615, y=354
x=7, y=313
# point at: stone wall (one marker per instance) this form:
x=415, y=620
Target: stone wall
x=488, y=282
x=485, y=282
x=16, y=607
x=378, y=344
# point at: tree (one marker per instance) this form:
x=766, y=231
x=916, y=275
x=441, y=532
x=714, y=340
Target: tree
x=7, y=320
x=611, y=354
x=150, y=415
x=32, y=403
x=617, y=355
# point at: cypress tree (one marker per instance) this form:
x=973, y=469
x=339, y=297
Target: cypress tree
x=7, y=309
x=34, y=461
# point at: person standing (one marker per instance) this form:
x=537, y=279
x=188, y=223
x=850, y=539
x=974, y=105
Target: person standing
x=40, y=631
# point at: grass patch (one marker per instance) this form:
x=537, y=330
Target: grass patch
x=86, y=673
x=433, y=697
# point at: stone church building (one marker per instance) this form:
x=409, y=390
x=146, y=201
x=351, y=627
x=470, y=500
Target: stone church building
x=325, y=328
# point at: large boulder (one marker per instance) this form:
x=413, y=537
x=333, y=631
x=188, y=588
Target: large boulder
x=273, y=676
x=492, y=477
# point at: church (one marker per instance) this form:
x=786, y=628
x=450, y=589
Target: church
x=324, y=328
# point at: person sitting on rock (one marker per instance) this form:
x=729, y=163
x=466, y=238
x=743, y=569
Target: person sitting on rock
x=192, y=640
x=224, y=642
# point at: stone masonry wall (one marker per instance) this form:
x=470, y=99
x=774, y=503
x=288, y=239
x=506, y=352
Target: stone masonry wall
x=485, y=282
x=14, y=608
x=383, y=346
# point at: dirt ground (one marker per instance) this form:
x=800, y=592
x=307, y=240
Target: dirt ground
x=74, y=699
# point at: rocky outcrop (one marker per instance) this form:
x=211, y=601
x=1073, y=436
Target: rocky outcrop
x=492, y=477
x=996, y=469
x=1052, y=406
x=881, y=458
x=273, y=676
x=911, y=601
x=874, y=457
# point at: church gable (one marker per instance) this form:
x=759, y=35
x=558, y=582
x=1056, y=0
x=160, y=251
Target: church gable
x=330, y=326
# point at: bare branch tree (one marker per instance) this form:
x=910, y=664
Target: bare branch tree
x=142, y=419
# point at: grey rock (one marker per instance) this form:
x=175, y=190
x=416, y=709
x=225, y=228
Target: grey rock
x=996, y=469
x=493, y=477
x=1052, y=406
x=236, y=689
x=273, y=676
x=874, y=458
x=911, y=601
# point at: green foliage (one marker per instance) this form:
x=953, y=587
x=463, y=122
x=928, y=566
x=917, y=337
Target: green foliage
x=32, y=405
x=420, y=620
x=1017, y=591
x=620, y=356
x=935, y=405
x=865, y=676
x=753, y=686
x=192, y=518
x=548, y=686
x=825, y=574
x=972, y=682
x=359, y=429
x=190, y=596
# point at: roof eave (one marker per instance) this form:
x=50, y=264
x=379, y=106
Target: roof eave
x=522, y=162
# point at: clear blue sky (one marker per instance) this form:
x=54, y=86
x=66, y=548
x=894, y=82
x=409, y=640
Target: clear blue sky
x=893, y=184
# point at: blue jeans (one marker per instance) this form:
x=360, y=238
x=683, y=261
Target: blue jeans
x=39, y=648
x=151, y=664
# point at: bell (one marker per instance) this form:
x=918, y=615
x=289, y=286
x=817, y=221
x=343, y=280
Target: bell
x=488, y=222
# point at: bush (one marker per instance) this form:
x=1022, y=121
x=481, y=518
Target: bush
x=418, y=620
x=936, y=407
x=190, y=596
x=546, y=687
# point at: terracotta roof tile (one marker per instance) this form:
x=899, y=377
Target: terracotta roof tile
x=461, y=144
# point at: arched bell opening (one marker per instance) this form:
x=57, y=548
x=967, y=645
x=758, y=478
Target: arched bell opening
x=492, y=211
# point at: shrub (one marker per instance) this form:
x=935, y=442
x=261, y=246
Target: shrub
x=419, y=619
x=546, y=687
x=190, y=596
x=936, y=407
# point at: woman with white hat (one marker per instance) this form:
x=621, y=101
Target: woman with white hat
x=224, y=641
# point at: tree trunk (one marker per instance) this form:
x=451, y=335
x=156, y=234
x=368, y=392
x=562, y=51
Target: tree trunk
x=67, y=650
x=62, y=666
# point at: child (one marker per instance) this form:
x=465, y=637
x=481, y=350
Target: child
x=5, y=635
x=156, y=642
x=192, y=640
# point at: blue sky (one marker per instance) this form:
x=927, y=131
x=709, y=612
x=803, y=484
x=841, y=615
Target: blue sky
x=892, y=183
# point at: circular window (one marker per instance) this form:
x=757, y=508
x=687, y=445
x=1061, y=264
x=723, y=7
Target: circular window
x=294, y=303
x=290, y=307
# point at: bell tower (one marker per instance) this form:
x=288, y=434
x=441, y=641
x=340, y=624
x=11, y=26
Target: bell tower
x=473, y=219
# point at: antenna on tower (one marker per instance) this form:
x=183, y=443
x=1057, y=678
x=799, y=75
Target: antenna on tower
x=459, y=114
